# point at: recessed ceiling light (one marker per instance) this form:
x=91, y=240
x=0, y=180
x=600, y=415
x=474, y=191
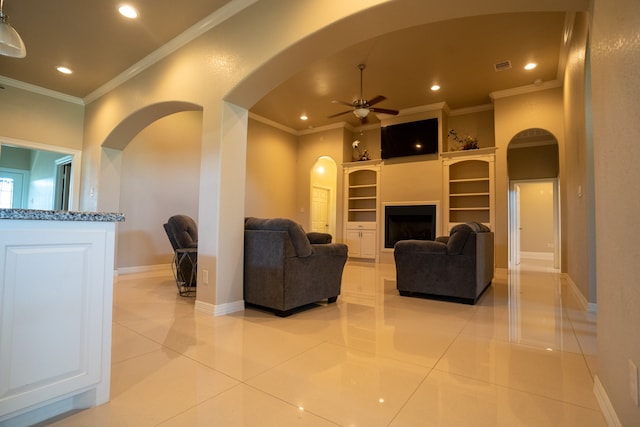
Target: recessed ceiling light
x=304, y=117
x=128, y=11
x=64, y=70
x=435, y=87
x=530, y=66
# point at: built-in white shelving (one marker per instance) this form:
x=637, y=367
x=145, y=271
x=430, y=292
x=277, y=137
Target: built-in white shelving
x=469, y=187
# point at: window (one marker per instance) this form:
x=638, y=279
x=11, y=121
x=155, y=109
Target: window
x=6, y=192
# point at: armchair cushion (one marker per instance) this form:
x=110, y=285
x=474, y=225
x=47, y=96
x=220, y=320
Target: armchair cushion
x=298, y=237
x=184, y=230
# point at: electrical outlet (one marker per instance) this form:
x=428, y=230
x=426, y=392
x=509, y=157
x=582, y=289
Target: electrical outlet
x=633, y=383
x=205, y=277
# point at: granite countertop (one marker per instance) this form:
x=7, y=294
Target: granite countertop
x=42, y=215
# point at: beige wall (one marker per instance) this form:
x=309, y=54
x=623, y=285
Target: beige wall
x=615, y=43
x=410, y=181
x=28, y=116
x=369, y=139
x=271, y=182
x=533, y=162
x=578, y=195
x=477, y=124
x=159, y=178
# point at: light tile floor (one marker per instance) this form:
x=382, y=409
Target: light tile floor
x=523, y=356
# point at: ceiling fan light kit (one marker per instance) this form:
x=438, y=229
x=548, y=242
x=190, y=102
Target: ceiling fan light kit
x=361, y=113
x=10, y=42
x=362, y=107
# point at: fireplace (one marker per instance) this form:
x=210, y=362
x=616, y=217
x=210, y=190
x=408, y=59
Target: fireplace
x=404, y=222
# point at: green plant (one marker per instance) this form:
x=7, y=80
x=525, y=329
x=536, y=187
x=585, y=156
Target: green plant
x=466, y=143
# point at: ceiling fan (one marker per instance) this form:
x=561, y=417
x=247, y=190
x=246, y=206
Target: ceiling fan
x=361, y=106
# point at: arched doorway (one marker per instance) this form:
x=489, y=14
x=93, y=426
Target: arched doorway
x=150, y=171
x=323, y=179
x=534, y=202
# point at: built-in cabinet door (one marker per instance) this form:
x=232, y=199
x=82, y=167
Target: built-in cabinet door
x=362, y=243
x=52, y=287
x=354, y=243
x=368, y=244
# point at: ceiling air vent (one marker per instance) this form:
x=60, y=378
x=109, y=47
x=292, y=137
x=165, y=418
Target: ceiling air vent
x=501, y=66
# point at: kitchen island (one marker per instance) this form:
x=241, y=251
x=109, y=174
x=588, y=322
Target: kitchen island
x=56, y=294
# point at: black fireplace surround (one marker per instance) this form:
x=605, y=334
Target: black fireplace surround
x=409, y=222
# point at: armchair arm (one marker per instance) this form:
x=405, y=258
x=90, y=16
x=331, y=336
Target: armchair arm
x=330, y=249
x=318, y=238
x=420, y=246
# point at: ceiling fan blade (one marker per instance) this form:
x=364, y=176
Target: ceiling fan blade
x=348, y=104
x=339, y=114
x=377, y=99
x=385, y=111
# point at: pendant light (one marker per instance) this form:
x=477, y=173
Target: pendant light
x=10, y=42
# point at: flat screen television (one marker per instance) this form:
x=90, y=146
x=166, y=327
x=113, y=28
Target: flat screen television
x=409, y=139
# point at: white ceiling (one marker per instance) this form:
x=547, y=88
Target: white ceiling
x=98, y=44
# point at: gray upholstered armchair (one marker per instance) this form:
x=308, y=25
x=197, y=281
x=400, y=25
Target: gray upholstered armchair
x=182, y=232
x=458, y=268
x=285, y=270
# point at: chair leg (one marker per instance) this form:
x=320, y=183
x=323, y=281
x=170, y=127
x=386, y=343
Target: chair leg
x=284, y=313
x=332, y=299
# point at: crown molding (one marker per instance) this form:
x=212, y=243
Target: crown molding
x=6, y=81
x=201, y=27
x=470, y=110
x=294, y=132
x=438, y=106
x=552, y=84
x=273, y=124
x=341, y=125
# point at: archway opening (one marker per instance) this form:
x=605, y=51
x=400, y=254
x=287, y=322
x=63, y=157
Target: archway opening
x=534, y=200
x=150, y=171
x=323, y=179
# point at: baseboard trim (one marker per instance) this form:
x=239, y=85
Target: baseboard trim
x=537, y=255
x=157, y=268
x=584, y=304
x=219, y=309
x=606, y=407
x=501, y=274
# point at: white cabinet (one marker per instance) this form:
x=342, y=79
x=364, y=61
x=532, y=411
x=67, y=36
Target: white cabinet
x=361, y=239
x=361, y=201
x=55, y=316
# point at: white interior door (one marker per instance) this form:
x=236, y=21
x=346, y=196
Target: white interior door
x=514, y=224
x=320, y=209
x=518, y=234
